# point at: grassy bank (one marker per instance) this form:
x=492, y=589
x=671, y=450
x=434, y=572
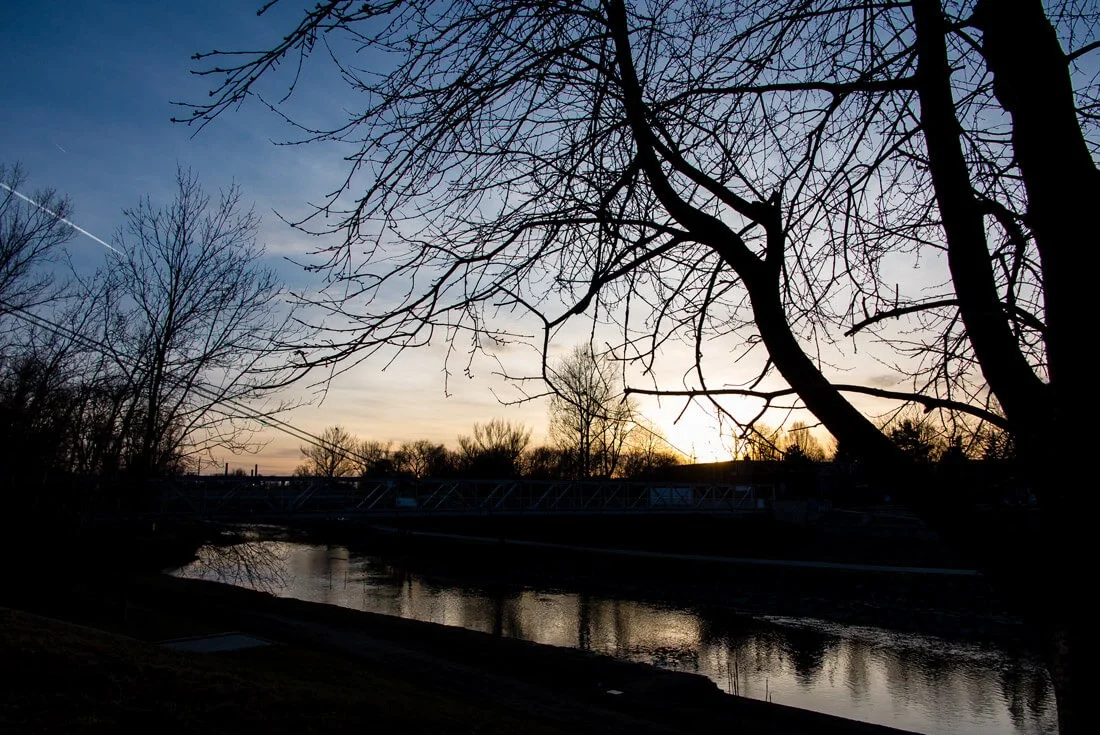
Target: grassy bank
x=69, y=678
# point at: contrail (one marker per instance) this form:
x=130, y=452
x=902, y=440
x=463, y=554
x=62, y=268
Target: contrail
x=75, y=226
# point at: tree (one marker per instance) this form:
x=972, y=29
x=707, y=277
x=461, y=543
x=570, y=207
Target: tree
x=996, y=444
x=801, y=443
x=192, y=319
x=422, y=458
x=334, y=455
x=36, y=412
x=590, y=418
x=546, y=463
x=65, y=403
x=647, y=453
x=918, y=441
x=371, y=456
x=30, y=234
x=748, y=175
x=494, y=449
x=147, y=363
x=760, y=443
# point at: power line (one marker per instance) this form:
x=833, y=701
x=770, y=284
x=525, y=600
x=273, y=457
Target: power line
x=209, y=392
x=202, y=390
x=269, y=421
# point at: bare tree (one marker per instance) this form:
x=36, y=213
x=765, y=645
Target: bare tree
x=30, y=234
x=647, y=452
x=546, y=463
x=590, y=418
x=333, y=455
x=64, y=399
x=995, y=444
x=36, y=409
x=759, y=443
x=494, y=449
x=193, y=321
x=799, y=441
x=371, y=456
x=747, y=176
x=422, y=458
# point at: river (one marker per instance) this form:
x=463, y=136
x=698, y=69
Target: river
x=920, y=683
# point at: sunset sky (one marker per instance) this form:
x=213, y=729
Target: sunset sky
x=87, y=96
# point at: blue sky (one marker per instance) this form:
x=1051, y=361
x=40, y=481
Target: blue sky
x=87, y=99
x=88, y=93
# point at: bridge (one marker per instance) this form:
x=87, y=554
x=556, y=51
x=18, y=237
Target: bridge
x=273, y=499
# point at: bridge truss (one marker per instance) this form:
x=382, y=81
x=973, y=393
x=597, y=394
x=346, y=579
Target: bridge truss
x=354, y=498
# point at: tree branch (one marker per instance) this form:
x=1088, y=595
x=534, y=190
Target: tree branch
x=1016, y=312
x=1070, y=57
x=929, y=402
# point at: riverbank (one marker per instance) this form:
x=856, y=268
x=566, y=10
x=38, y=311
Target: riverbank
x=333, y=669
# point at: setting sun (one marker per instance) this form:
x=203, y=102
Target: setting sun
x=696, y=434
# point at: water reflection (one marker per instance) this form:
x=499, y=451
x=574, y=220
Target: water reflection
x=919, y=683
x=256, y=565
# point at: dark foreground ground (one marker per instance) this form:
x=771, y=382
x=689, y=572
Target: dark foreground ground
x=330, y=670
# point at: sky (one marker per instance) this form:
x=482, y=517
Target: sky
x=87, y=96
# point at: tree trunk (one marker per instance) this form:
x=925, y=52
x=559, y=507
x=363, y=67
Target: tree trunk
x=1032, y=82
x=1020, y=392
x=830, y=407
x=1063, y=187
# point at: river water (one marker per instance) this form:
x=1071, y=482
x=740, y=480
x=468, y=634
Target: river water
x=914, y=682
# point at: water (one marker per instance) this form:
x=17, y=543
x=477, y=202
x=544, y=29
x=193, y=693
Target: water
x=914, y=682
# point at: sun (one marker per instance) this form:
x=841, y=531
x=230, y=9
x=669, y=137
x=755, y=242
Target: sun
x=696, y=434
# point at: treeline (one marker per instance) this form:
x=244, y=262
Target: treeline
x=596, y=431
x=495, y=449
x=918, y=437
x=500, y=449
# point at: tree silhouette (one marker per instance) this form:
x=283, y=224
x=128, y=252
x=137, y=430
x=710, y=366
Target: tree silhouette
x=155, y=359
x=647, y=452
x=191, y=318
x=590, y=418
x=494, y=449
x=372, y=456
x=918, y=441
x=332, y=456
x=760, y=443
x=546, y=463
x=422, y=458
x=799, y=441
x=36, y=413
x=748, y=175
x=31, y=232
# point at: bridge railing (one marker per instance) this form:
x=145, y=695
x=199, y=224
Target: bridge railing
x=348, y=497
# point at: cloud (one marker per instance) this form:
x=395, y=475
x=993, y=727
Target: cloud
x=884, y=380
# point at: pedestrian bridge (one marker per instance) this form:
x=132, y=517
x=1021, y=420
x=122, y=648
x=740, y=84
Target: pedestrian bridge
x=266, y=499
